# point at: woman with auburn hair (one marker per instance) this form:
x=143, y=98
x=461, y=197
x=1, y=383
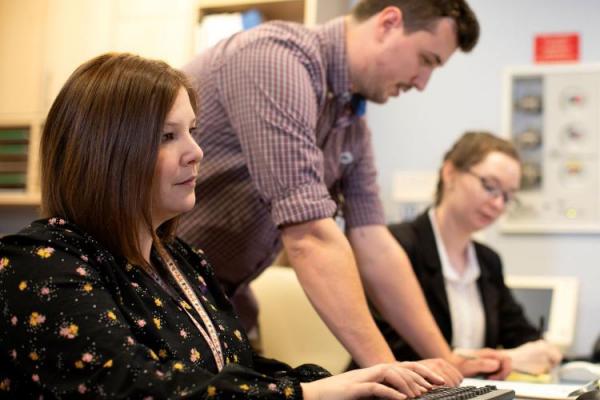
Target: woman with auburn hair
x=461, y=278
x=100, y=300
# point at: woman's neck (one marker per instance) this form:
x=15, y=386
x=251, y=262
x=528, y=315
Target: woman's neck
x=145, y=243
x=455, y=237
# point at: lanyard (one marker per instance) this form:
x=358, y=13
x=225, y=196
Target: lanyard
x=209, y=334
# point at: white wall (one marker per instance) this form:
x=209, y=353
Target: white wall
x=413, y=132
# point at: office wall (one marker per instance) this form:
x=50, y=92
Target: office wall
x=413, y=131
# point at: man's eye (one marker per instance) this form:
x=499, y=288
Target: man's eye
x=167, y=137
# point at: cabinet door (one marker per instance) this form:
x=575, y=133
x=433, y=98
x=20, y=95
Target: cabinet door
x=318, y=12
x=22, y=27
x=156, y=29
x=77, y=30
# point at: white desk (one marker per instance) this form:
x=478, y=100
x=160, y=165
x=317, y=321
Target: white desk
x=525, y=390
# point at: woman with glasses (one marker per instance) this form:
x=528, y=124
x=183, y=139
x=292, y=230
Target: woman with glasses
x=461, y=278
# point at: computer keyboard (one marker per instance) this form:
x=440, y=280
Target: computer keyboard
x=467, y=393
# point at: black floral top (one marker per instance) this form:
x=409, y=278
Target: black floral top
x=76, y=322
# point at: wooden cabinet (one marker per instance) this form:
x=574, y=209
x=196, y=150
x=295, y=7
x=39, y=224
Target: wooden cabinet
x=41, y=44
x=162, y=29
x=22, y=29
x=43, y=41
x=309, y=12
x=22, y=40
x=19, y=172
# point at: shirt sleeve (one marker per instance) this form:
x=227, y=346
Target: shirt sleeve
x=269, y=90
x=362, y=204
x=63, y=332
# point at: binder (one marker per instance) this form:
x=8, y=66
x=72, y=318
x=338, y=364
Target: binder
x=14, y=147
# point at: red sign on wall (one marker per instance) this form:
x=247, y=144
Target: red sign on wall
x=560, y=47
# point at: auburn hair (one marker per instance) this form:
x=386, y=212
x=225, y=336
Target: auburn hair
x=470, y=149
x=100, y=144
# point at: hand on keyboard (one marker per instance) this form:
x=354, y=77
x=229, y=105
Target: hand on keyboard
x=388, y=381
x=450, y=374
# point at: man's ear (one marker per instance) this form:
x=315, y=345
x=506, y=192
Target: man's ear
x=388, y=19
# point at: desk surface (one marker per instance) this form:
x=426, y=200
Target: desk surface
x=526, y=390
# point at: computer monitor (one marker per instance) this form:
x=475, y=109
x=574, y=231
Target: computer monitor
x=551, y=299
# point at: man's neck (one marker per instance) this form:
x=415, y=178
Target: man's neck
x=355, y=50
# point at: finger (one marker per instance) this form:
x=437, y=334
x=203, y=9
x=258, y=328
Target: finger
x=450, y=379
x=406, y=381
x=479, y=365
x=451, y=375
x=503, y=371
x=486, y=352
x=426, y=372
x=432, y=375
x=550, y=359
x=373, y=389
x=453, y=379
x=418, y=383
x=555, y=356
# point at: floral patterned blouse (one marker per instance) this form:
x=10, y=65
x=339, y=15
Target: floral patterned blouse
x=77, y=322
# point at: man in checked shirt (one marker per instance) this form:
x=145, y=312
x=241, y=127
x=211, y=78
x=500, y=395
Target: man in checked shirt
x=287, y=149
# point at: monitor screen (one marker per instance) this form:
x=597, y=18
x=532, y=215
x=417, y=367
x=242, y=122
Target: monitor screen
x=550, y=301
x=536, y=303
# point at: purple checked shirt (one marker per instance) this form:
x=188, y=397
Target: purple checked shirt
x=282, y=143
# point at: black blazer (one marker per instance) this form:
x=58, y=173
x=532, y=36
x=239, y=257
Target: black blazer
x=505, y=322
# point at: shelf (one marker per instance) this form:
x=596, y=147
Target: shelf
x=240, y=3
x=287, y=10
x=19, y=199
x=19, y=147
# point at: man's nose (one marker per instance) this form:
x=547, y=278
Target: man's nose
x=421, y=80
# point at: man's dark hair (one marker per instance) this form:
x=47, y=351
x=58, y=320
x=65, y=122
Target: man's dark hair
x=424, y=14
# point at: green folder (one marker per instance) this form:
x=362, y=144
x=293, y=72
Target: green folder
x=12, y=180
x=14, y=134
x=13, y=148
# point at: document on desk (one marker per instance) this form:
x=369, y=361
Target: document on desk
x=527, y=390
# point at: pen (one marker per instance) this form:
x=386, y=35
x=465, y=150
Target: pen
x=541, y=326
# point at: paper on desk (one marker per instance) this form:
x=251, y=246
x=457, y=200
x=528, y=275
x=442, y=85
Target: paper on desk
x=528, y=390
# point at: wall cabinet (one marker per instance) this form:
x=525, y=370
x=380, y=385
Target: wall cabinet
x=22, y=29
x=43, y=41
x=309, y=12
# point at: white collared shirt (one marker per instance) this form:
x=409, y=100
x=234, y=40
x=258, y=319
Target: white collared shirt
x=464, y=299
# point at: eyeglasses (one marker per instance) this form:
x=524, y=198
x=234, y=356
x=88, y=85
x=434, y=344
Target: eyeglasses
x=494, y=190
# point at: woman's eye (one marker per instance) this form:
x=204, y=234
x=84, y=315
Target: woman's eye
x=167, y=137
x=490, y=187
x=193, y=130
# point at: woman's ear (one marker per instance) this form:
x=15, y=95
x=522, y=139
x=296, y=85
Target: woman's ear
x=449, y=173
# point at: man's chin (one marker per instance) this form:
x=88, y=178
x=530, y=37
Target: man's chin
x=379, y=99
